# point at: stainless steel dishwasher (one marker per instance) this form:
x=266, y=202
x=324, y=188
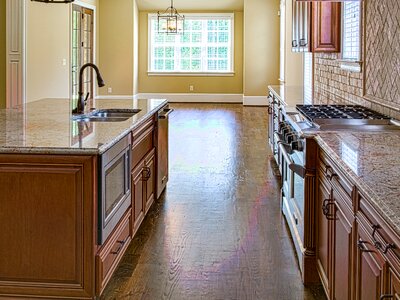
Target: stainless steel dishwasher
x=162, y=148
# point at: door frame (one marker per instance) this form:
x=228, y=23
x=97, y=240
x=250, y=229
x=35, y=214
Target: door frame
x=92, y=7
x=15, y=53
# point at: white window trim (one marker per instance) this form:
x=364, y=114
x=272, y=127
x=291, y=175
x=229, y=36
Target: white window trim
x=352, y=65
x=230, y=16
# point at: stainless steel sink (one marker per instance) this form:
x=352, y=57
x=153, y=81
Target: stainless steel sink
x=106, y=115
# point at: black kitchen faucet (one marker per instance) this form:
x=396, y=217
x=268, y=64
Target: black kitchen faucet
x=80, y=108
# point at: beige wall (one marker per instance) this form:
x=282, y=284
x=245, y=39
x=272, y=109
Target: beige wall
x=261, y=40
x=116, y=46
x=135, y=48
x=180, y=84
x=48, y=44
x=2, y=54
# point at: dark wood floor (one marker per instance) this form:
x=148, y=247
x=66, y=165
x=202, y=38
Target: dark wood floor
x=217, y=232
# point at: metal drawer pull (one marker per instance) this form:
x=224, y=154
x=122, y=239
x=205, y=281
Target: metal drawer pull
x=378, y=245
x=325, y=209
x=360, y=245
x=165, y=114
x=146, y=173
x=121, y=245
x=329, y=176
x=386, y=297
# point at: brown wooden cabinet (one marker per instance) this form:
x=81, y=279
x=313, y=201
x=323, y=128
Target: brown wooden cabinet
x=149, y=179
x=316, y=26
x=47, y=226
x=358, y=255
x=335, y=221
x=326, y=27
x=370, y=267
x=137, y=197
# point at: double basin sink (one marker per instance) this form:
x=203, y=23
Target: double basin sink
x=106, y=115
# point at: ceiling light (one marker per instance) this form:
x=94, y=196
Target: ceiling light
x=54, y=1
x=170, y=21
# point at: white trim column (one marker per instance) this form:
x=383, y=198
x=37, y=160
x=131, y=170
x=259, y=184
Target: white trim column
x=15, y=48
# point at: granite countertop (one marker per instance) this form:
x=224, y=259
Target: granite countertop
x=46, y=127
x=372, y=163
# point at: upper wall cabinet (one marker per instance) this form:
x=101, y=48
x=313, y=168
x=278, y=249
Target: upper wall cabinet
x=326, y=24
x=316, y=26
x=328, y=0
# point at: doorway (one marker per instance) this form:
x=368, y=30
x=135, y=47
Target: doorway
x=82, y=51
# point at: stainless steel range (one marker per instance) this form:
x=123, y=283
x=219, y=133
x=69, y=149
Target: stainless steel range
x=295, y=151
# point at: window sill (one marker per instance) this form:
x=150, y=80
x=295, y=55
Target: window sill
x=196, y=74
x=350, y=65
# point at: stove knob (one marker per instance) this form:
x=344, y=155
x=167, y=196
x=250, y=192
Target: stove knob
x=285, y=131
x=297, y=145
x=289, y=138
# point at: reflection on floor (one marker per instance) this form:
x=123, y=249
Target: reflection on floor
x=217, y=232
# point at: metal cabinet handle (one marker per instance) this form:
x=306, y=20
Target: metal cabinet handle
x=386, y=297
x=325, y=209
x=360, y=245
x=146, y=173
x=329, y=176
x=378, y=245
x=121, y=245
x=303, y=42
x=165, y=114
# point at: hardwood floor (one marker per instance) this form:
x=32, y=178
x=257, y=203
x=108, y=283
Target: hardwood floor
x=217, y=231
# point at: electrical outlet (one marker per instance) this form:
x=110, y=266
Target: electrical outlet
x=191, y=88
x=109, y=90
x=64, y=62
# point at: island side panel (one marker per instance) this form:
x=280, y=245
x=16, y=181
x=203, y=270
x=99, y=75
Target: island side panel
x=47, y=225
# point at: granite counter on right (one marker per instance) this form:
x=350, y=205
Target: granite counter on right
x=357, y=214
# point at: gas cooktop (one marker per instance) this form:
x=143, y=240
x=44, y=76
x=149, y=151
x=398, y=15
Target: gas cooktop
x=314, y=112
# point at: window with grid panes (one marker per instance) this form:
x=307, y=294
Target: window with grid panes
x=351, y=31
x=206, y=46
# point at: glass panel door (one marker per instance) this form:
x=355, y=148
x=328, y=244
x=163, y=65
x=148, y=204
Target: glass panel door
x=82, y=51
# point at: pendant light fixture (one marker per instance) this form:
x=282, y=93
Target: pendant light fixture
x=54, y=1
x=170, y=21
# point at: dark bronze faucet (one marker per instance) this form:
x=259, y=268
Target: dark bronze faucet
x=80, y=108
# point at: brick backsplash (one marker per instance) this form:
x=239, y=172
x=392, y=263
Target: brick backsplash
x=378, y=85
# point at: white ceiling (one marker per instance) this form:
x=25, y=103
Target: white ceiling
x=199, y=5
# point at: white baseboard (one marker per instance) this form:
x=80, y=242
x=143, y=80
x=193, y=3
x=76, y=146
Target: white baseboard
x=255, y=100
x=115, y=97
x=205, y=98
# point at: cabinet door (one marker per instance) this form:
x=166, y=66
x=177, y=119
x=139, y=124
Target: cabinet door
x=394, y=287
x=326, y=26
x=370, y=269
x=323, y=237
x=137, y=196
x=149, y=173
x=342, y=256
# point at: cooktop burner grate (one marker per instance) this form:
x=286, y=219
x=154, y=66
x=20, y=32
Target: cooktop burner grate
x=313, y=112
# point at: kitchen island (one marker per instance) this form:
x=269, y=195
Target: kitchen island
x=55, y=176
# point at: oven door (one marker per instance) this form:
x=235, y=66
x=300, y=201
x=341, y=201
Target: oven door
x=114, y=188
x=293, y=186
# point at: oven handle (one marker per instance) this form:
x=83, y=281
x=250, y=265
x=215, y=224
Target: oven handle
x=298, y=169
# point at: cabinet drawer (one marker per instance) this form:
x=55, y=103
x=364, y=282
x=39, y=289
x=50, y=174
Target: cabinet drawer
x=142, y=142
x=382, y=237
x=112, y=251
x=336, y=177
